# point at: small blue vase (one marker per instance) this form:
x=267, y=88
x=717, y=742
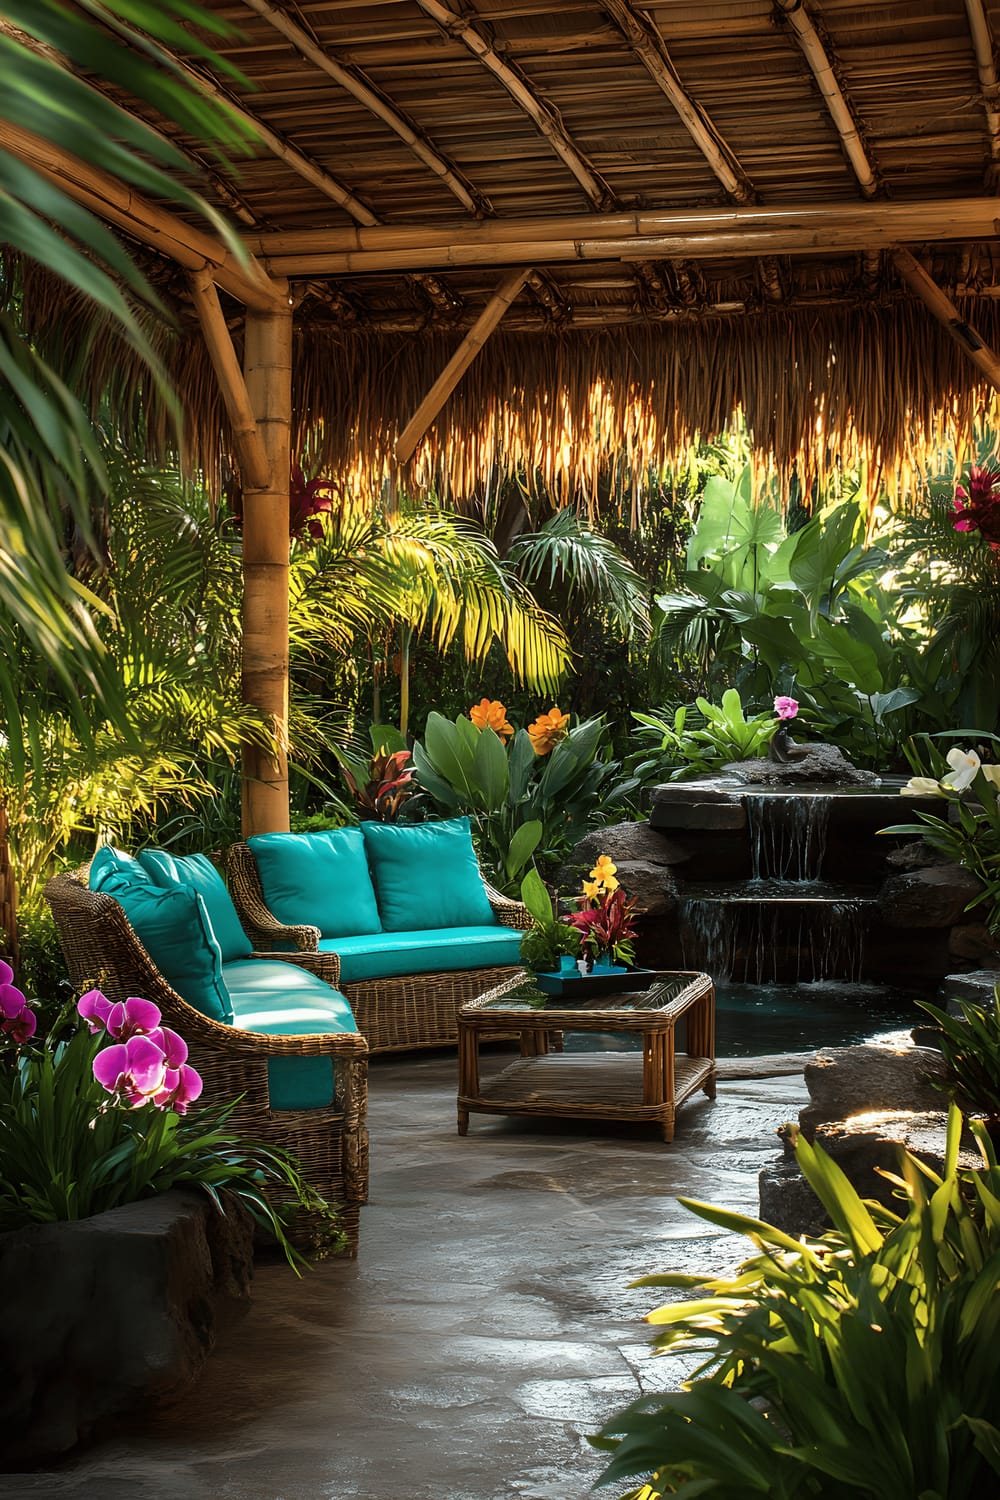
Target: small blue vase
x=605, y=965
x=567, y=963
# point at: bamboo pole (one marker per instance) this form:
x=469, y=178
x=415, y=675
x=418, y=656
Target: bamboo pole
x=146, y=222
x=361, y=88
x=982, y=42
x=808, y=38
x=948, y=315
x=955, y=218
x=255, y=470
x=456, y=367
x=648, y=45
x=542, y=115
x=267, y=366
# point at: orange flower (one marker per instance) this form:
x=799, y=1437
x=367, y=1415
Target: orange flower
x=491, y=715
x=547, y=730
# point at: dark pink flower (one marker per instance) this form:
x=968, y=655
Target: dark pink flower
x=978, y=507
x=6, y=972
x=786, y=708
x=173, y=1047
x=94, y=1009
x=133, y=1071
x=181, y=1087
x=135, y=1017
x=17, y=1019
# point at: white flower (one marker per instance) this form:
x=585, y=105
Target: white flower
x=992, y=773
x=921, y=786
x=964, y=766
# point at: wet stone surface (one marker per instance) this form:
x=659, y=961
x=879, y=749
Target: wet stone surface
x=486, y=1328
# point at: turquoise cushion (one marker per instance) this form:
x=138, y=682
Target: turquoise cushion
x=112, y=866
x=319, y=878
x=430, y=952
x=283, y=1000
x=173, y=927
x=426, y=876
x=198, y=873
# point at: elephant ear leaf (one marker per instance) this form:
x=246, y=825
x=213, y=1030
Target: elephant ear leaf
x=524, y=841
x=536, y=898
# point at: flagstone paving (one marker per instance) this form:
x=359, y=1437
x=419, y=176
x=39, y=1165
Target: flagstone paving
x=486, y=1327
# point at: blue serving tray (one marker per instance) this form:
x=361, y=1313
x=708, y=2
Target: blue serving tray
x=600, y=982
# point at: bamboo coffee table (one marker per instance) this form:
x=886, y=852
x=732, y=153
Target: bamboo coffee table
x=646, y=1086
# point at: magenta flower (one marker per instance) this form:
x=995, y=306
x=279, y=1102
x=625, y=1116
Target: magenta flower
x=786, y=708
x=17, y=1019
x=181, y=1087
x=133, y=1018
x=6, y=972
x=173, y=1047
x=978, y=507
x=133, y=1071
x=94, y=1009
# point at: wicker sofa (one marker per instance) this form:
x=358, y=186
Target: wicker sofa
x=330, y=1141
x=394, y=1011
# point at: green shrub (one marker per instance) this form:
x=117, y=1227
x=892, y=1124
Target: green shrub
x=971, y=1050
x=863, y=1363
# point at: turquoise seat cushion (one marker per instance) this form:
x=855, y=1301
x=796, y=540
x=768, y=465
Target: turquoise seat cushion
x=426, y=876
x=318, y=878
x=283, y=1000
x=433, y=951
x=111, y=867
x=198, y=872
x=174, y=928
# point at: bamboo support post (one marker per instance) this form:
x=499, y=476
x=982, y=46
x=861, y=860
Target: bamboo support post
x=982, y=42
x=267, y=364
x=542, y=115
x=648, y=45
x=456, y=367
x=255, y=470
x=146, y=222
x=948, y=314
x=808, y=38
x=361, y=88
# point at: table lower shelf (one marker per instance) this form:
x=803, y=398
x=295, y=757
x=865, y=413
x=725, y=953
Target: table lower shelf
x=598, y=1085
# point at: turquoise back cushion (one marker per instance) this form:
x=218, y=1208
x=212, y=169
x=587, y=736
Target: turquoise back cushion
x=318, y=878
x=197, y=872
x=426, y=875
x=173, y=927
x=114, y=866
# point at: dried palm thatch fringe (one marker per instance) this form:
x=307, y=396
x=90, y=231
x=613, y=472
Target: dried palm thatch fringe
x=880, y=384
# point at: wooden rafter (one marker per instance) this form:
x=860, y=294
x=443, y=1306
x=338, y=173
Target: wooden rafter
x=542, y=115
x=146, y=222
x=989, y=83
x=841, y=113
x=694, y=234
x=549, y=297
x=360, y=87
x=255, y=468
x=648, y=45
x=456, y=367
x=947, y=314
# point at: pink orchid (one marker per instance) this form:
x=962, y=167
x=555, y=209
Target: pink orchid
x=173, y=1047
x=786, y=708
x=17, y=1019
x=134, y=1017
x=181, y=1087
x=94, y=1008
x=133, y=1071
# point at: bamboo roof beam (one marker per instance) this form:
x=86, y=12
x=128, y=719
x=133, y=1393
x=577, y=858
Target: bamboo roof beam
x=545, y=118
x=430, y=406
x=989, y=83
x=351, y=78
x=255, y=468
x=145, y=221
x=549, y=297
x=649, y=47
x=811, y=43
x=947, y=314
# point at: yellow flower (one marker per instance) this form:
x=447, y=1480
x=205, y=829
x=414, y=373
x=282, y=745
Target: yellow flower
x=591, y=889
x=602, y=879
x=547, y=730
x=603, y=869
x=489, y=714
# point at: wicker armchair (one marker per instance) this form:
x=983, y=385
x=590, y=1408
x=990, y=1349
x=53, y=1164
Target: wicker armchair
x=331, y=1145
x=394, y=1015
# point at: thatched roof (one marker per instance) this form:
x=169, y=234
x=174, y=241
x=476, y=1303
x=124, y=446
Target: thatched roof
x=710, y=199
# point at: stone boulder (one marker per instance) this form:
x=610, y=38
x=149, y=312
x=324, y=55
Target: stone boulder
x=845, y=1081
x=935, y=897
x=979, y=986
x=916, y=856
x=975, y=942
x=112, y=1314
x=813, y=763
x=644, y=859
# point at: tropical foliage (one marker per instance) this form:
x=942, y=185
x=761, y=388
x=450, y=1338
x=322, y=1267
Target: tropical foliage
x=861, y=1363
x=970, y=1045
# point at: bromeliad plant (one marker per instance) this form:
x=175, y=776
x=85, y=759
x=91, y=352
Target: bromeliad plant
x=698, y=741
x=381, y=787
x=863, y=1364
x=101, y=1118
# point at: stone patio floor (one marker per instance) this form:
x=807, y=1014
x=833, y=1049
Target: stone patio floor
x=486, y=1327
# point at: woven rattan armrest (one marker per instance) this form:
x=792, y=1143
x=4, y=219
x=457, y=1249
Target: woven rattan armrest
x=509, y=913
x=260, y=925
x=325, y=966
